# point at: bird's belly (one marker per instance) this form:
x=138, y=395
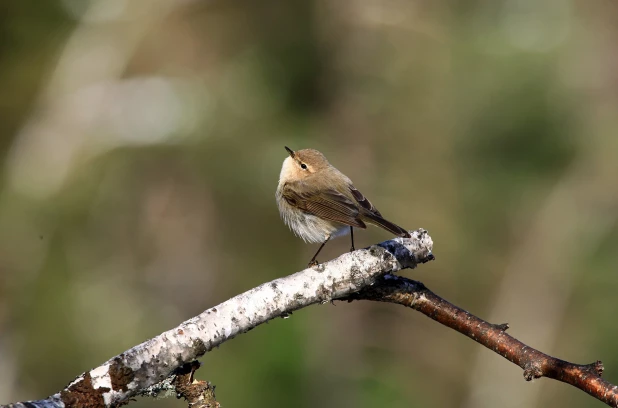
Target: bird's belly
x=314, y=229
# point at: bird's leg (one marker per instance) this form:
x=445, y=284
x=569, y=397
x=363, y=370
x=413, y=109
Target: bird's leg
x=313, y=261
x=352, y=237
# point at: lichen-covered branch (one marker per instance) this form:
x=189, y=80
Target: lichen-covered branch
x=136, y=370
x=166, y=362
x=403, y=291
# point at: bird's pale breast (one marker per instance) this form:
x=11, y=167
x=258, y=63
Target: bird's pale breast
x=308, y=226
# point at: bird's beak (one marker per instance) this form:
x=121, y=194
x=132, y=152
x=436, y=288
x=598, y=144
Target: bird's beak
x=290, y=151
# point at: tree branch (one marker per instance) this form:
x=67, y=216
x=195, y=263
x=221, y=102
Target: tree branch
x=413, y=294
x=166, y=361
x=139, y=369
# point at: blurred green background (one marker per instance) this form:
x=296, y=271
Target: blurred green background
x=141, y=146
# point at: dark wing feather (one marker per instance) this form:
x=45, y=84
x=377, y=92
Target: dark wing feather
x=364, y=202
x=373, y=216
x=327, y=204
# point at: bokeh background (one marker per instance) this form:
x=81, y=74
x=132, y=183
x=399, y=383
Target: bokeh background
x=141, y=145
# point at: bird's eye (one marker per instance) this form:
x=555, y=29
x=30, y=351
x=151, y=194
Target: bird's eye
x=303, y=166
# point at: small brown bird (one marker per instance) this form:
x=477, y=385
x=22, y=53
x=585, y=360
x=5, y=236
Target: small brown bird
x=318, y=202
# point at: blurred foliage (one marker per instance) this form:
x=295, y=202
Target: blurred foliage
x=142, y=144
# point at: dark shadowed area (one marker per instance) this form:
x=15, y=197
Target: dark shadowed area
x=141, y=146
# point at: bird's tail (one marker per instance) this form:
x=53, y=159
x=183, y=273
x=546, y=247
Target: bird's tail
x=387, y=225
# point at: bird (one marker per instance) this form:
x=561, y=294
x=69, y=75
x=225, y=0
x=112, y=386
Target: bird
x=318, y=202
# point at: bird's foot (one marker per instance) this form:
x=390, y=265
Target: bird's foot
x=312, y=263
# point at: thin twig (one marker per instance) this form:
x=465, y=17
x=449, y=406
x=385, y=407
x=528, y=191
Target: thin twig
x=413, y=294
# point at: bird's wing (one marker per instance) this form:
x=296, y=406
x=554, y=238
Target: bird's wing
x=326, y=204
x=371, y=215
x=364, y=202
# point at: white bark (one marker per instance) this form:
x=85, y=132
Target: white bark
x=134, y=371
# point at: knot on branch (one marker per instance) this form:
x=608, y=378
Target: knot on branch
x=532, y=370
x=502, y=327
x=595, y=368
x=198, y=393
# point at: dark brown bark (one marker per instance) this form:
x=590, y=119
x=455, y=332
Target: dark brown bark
x=413, y=294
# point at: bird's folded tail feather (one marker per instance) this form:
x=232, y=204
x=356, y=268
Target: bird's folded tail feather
x=387, y=225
